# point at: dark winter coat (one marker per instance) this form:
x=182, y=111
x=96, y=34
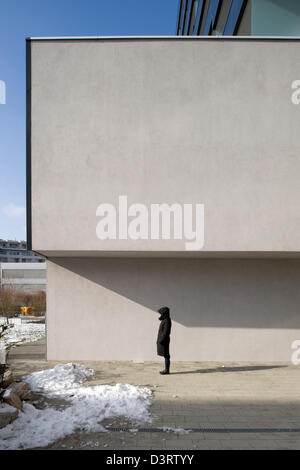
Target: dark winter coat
x=163, y=337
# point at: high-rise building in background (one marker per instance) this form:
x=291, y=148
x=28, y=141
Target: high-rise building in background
x=238, y=18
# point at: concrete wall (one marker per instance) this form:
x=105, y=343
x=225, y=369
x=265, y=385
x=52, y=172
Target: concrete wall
x=166, y=120
x=222, y=310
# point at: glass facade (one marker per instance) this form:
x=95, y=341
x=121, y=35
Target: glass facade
x=238, y=18
x=210, y=17
x=275, y=18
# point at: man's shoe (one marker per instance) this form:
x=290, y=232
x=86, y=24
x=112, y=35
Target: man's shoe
x=164, y=372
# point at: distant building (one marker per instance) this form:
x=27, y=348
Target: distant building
x=12, y=251
x=29, y=277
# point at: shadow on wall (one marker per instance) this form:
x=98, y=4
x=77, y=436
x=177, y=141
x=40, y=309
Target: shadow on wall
x=240, y=293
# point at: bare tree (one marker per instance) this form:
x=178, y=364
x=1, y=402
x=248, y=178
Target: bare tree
x=8, y=302
x=39, y=302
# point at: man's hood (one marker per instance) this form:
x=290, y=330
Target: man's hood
x=164, y=312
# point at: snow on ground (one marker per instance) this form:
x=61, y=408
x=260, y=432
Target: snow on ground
x=5, y=408
x=88, y=406
x=21, y=332
x=59, y=381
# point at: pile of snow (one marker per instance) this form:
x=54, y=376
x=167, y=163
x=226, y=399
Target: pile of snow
x=59, y=381
x=21, y=332
x=87, y=407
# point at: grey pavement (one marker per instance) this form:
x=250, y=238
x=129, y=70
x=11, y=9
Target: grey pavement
x=225, y=405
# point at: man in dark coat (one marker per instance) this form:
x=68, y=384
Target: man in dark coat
x=163, y=337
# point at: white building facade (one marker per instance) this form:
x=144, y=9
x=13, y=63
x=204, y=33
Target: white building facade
x=117, y=126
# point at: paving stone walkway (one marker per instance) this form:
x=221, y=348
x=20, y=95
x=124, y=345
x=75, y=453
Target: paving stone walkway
x=226, y=406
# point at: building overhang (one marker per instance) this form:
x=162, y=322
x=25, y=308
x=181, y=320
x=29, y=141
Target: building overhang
x=172, y=254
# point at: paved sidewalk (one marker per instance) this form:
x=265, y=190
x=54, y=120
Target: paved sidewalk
x=227, y=406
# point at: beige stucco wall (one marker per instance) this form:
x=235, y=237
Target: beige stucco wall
x=222, y=310
x=166, y=120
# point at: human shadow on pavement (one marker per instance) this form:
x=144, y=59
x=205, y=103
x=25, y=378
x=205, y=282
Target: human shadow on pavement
x=228, y=369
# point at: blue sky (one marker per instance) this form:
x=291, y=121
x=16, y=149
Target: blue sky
x=22, y=18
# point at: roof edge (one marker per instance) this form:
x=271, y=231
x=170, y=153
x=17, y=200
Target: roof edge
x=178, y=38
